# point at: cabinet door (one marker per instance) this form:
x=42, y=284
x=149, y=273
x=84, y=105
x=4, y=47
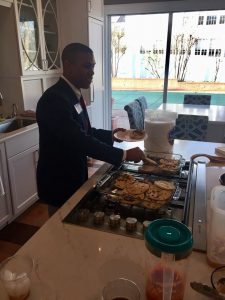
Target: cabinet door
x=38, y=32
x=95, y=9
x=96, y=89
x=22, y=175
x=5, y=204
x=51, y=38
x=29, y=33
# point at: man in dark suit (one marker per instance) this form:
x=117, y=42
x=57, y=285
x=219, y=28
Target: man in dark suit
x=66, y=136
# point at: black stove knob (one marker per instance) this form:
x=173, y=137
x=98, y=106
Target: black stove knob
x=169, y=213
x=83, y=214
x=114, y=220
x=131, y=224
x=145, y=225
x=99, y=217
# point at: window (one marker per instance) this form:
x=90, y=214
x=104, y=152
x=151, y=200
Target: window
x=196, y=55
x=204, y=52
x=200, y=20
x=218, y=52
x=211, y=52
x=211, y=20
x=222, y=19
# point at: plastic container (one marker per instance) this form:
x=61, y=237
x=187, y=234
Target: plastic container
x=216, y=227
x=169, y=243
x=159, y=125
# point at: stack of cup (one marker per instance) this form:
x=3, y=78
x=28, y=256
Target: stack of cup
x=15, y=274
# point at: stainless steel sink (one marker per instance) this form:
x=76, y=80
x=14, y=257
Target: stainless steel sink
x=10, y=125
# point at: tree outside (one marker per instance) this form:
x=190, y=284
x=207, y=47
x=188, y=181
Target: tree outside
x=118, y=48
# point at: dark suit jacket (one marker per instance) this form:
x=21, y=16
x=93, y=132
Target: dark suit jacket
x=64, y=145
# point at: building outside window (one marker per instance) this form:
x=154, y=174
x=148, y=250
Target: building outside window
x=211, y=52
x=222, y=19
x=211, y=20
x=204, y=52
x=218, y=52
x=200, y=20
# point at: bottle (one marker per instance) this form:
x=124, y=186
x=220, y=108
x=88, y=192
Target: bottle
x=169, y=243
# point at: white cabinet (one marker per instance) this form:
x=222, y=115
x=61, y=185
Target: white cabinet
x=37, y=22
x=22, y=156
x=86, y=19
x=22, y=174
x=29, y=52
x=95, y=42
x=5, y=203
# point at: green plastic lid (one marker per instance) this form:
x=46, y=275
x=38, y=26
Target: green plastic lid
x=170, y=236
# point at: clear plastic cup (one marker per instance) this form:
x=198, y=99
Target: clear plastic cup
x=121, y=289
x=15, y=274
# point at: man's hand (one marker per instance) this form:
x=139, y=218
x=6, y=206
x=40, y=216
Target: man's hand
x=114, y=131
x=134, y=154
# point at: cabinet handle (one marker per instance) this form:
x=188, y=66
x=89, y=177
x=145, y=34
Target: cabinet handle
x=36, y=156
x=2, y=190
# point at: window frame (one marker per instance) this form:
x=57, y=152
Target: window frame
x=146, y=8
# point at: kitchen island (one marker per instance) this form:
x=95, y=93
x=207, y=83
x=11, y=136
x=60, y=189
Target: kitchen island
x=74, y=262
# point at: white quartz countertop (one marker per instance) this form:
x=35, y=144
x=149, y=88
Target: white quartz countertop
x=75, y=262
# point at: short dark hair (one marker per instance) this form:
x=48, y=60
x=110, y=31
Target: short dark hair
x=73, y=48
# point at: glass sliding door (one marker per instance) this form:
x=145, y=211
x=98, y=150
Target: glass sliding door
x=138, y=52
x=165, y=56
x=197, y=56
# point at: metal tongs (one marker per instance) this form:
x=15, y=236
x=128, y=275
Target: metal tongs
x=148, y=161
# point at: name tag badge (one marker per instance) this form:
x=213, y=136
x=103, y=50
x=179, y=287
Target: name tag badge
x=78, y=108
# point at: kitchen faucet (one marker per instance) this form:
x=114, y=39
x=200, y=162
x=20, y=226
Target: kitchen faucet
x=14, y=110
x=1, y=98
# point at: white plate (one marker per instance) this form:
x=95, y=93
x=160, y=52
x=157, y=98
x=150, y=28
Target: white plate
x=126, y=136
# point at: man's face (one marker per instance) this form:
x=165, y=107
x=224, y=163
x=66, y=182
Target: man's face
x=80, y=72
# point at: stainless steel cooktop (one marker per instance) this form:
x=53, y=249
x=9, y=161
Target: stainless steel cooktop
x=96, y=211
